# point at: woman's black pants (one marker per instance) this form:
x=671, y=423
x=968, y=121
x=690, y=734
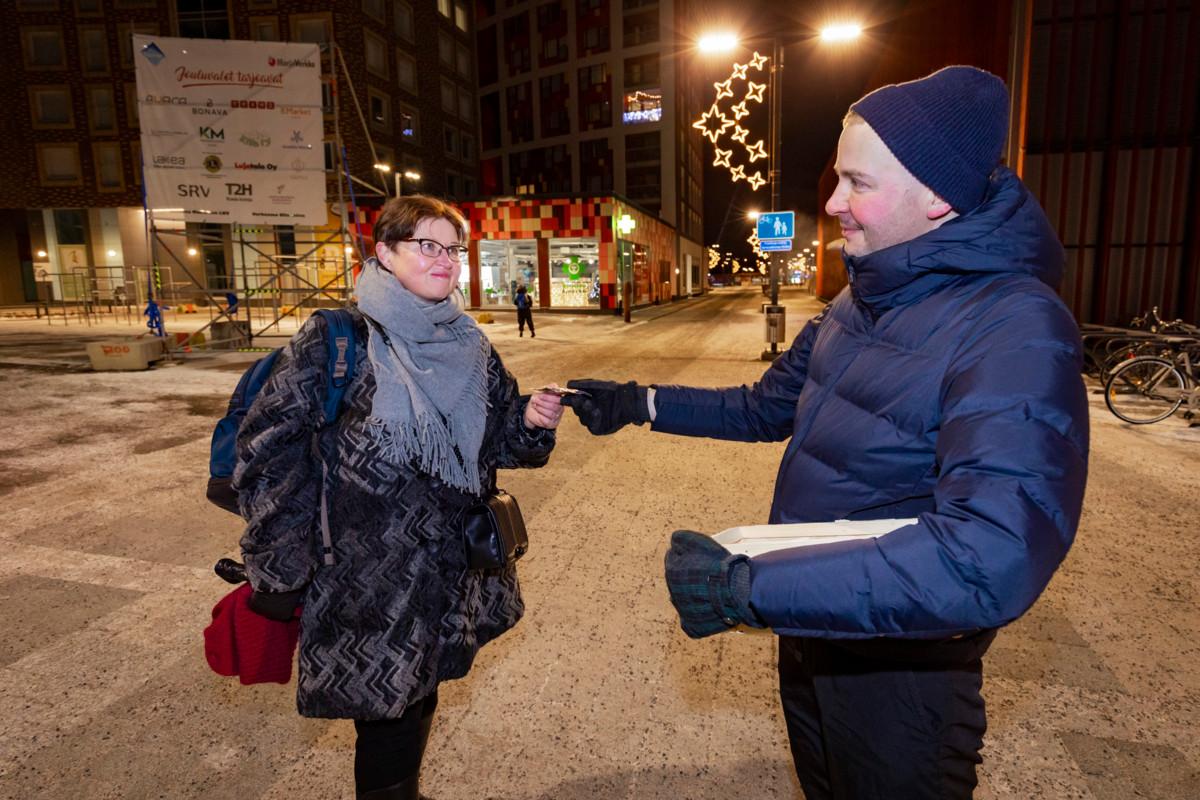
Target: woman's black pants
x=388, y=751
x=900, y=720
x=525, y=315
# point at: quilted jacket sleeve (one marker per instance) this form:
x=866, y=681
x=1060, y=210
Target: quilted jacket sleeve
x=1012, y=456
x=515, y=445
x=277, y=477
x=760, y=413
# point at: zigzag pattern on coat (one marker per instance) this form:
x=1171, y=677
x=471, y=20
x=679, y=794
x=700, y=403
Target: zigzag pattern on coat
x=398, y=611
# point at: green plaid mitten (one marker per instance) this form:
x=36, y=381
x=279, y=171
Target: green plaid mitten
x=709, y=586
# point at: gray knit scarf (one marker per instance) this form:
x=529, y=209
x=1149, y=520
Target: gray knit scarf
x=431, y=399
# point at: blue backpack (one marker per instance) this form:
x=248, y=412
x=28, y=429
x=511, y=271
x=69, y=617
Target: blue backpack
x=223, y=456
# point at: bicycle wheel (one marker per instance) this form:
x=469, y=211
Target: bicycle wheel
x=1144, y=390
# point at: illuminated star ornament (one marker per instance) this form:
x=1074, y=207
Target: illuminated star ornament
x=713, y=123
x=719, y=119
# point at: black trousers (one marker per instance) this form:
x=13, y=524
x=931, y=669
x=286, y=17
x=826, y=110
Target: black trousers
x=884, y=718
x=389, y=751
x=525, y=315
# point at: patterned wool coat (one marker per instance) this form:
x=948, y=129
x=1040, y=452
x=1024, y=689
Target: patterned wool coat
x=398, y=611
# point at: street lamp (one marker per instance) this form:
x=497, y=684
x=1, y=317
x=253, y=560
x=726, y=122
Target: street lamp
x=408, y=174
x=384, y=169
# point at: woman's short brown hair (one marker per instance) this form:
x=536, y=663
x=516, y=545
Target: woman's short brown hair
x=401, y=215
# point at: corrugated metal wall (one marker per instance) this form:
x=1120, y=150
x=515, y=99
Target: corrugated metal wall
x=1111, y=151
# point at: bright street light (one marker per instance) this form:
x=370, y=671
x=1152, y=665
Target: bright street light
x=412, y=176
x=717, y=42
x=841, y=33
x=384, y=167
x=753, y=214
x=816, y=243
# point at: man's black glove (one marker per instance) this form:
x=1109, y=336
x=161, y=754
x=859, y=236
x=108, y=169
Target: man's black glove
x=279, y=606
x=608, y=405
x=710, y=587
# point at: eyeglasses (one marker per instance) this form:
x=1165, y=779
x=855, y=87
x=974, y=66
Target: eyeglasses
x=432, y=249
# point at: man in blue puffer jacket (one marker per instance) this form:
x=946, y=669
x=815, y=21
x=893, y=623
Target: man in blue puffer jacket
x=942, y=384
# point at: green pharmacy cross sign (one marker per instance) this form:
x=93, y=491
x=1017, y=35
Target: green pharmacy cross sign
x=572, y=268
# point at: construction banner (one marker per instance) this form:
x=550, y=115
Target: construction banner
x=232, y=131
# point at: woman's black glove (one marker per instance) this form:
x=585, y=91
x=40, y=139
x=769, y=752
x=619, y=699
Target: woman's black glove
x=608, y=406
x=279, y=606
x=709, y=586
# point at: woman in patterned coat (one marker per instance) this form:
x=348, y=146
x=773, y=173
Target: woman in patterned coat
x=429, y=417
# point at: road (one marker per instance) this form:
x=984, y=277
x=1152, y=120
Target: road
x=106, y=585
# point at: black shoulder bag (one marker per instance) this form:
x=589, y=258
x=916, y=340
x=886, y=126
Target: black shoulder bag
x=494, y=532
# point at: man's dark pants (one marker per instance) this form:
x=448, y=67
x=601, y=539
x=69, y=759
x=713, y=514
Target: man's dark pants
x=882, y=719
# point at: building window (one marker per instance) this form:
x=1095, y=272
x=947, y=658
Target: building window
x=375, y=51
x=516, y=44
x=374, y=9
x=110, y=175
x=93, y=50
x=44, y=48
x=642, y=105
x=264, y=29
x=380, y=112
x=410, y=124
x=466, y=104
x=445, y=49
x=641, y=71
x=449, y=97
x=487, y=57
x=641, y=28
x=450, y=140
x=125, y=33
x=50, y=107
x=595, y=97
x=555, y=98
x=89, y=8
x=102, y=109
x=505, y=265
x=203, y=19
x=519, y=109
x=404, y=21
x=463, y=61
x=467, y=141
x=462, y=19
x=406, y=71
x=445, y=8
x=574, y=273
x=260, y=4
x=312, y=28
x=596, y=166
x=489, y=120
x=642, y=148
x=58, y=164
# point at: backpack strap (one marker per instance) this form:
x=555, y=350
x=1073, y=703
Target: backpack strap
x=341, y=342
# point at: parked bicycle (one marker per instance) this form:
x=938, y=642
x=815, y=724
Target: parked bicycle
x=1149, y=388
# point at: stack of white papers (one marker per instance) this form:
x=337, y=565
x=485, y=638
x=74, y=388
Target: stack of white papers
x=754, y=540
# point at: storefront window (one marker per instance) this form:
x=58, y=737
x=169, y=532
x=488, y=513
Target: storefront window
x=505, y=265
x=574, y=273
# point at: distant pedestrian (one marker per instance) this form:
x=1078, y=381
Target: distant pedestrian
x=524, y=311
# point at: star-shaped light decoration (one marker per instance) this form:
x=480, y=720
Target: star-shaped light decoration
x=713, y=123
x=755, y=91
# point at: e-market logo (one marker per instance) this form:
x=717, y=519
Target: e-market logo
x=212, y=134
x=289, y=62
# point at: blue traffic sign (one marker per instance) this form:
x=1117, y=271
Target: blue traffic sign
x=779, y=245
x=777, y=225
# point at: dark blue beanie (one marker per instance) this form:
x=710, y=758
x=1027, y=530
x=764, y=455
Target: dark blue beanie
x=948, y=129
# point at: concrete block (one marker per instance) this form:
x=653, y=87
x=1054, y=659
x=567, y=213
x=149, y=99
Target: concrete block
x=125, y=354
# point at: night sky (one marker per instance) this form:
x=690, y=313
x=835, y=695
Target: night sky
x=820, y=81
